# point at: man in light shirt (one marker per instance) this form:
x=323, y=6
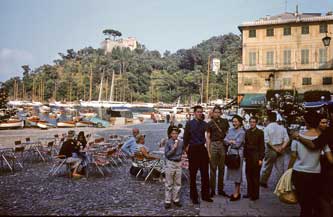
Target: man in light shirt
x=276, y=142
x=130, y=146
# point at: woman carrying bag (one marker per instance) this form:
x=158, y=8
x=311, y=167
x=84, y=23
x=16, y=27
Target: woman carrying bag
x=234, y=140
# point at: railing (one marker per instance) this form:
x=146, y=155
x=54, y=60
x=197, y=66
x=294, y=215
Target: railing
x=293, y=66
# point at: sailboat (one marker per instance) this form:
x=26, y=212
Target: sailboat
x=115, y=105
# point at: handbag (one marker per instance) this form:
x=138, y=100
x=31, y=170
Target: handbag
x=233, y=160
x=284, y=188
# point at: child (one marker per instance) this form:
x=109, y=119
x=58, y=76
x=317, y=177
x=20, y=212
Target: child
x=173, y=173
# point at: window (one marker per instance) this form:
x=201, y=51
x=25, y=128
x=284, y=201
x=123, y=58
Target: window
x=247, y=82
x=287, y=82
x=323, y=28
x=287, y=30
x=322, y=55
x=252, y=58
x=269, y=32
x=305, y=56
x=327, y=80
x=306, y=81
x=252, y=33
x=287, y=57
x=270, y=58
x=305, y=30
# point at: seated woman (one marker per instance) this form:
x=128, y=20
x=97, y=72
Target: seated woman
x=68, y=149
x=81, y=144
x=142, y=149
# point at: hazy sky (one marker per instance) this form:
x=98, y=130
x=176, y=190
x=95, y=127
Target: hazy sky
x=34, y=31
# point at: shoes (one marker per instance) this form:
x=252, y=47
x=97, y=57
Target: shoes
x=222, y=193
x=246, y=196
x=232, y=198
x=264, y=185
x=178, y=204
x=76, y=176
x=167, y=205
x=207, y=199
x=195, y=201
x=83, y=171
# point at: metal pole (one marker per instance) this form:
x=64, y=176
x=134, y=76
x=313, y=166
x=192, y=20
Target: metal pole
x=208, y=73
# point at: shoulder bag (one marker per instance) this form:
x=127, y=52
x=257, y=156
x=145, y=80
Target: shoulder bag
x=232, y=160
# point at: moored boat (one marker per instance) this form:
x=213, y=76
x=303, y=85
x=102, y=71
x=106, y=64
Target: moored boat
x=84, y=124
x=12, y=124
x=66, y=124
x=43, y=124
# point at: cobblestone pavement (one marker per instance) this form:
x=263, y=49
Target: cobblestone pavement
x=30, y=191
x=267, y=205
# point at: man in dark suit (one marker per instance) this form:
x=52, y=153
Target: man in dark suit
x=194, y=143
x=254, y=152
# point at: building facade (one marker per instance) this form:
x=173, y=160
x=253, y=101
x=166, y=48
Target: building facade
x=108, y=44
x=286, y=52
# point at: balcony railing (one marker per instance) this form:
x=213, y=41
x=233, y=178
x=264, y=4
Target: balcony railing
x=293, y=66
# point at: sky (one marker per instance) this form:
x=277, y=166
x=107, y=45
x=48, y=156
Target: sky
x=33, y=32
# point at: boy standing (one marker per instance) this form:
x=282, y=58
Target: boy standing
x=173, y=172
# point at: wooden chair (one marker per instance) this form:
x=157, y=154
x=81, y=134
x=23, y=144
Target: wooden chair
x=19, y=150
x=59, y=161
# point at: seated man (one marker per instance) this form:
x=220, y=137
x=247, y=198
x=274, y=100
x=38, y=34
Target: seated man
x=130, y=147
x=68, y=149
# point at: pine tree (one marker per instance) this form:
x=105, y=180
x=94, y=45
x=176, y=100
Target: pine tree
x=3, y=98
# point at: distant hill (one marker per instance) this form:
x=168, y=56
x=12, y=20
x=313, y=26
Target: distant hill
x=141, y=75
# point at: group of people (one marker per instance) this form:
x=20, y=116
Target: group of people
x=209, y=146
x=312, y=164
x=135, y=145
x=221, y=142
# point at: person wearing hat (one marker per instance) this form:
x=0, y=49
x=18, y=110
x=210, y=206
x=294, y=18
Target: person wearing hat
x=173, y=151
x=68, y=149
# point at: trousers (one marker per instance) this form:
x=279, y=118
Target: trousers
x=217, y=160
x=307, y=191
x=272, y=158
x=198, y=160
x=252, y=171
x=173, y=181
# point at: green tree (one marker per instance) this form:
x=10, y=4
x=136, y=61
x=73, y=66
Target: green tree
x=112, y=32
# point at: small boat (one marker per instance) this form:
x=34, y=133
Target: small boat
x=32, y=121
x=11, y=124
x=66, y=124
x=84, y=124
x=43, y=124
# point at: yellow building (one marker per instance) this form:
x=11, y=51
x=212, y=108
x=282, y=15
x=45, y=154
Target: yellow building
x=286, y=52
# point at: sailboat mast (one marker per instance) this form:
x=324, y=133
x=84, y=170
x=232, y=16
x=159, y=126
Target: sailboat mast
x=112, y=87
x=101, y=89
x=90, y=88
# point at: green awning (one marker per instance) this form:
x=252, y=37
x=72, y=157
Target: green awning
x=251, y=100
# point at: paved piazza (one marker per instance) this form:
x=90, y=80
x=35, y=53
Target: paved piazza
x=29, y=191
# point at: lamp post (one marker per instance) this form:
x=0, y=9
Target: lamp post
x=269, y=79
x=326, y=40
